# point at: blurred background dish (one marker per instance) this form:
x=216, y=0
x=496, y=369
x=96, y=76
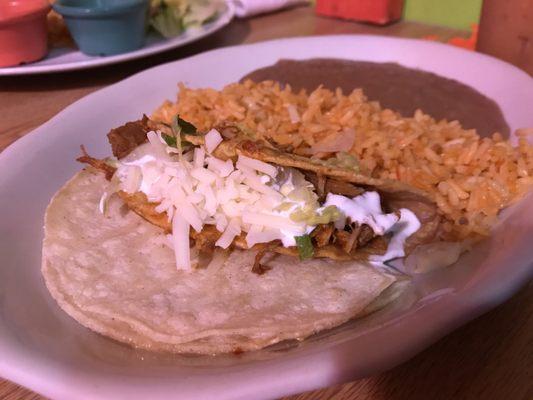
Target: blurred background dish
x=22, y=31
x=58, y=33
x=99, y=28
x=170, y=18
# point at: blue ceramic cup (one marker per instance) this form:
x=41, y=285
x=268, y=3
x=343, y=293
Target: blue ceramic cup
x=105, y=27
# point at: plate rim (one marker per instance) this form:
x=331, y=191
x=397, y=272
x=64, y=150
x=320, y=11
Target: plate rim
x=163, y=45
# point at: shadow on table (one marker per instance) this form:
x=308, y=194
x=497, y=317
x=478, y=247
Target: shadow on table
x=471, y=363
x=235, y=33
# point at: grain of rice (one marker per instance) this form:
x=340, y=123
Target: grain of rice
x=458, y=191
x=522, y=168
x=453, y=198
x=443, y=188
x=454, y=142
x=431, y=155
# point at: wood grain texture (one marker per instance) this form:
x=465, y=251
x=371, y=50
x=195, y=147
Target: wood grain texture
x=489, y=358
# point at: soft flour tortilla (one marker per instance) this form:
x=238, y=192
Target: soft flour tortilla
x=115, y=275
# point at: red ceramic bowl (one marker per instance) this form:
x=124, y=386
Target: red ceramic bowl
x=22, y=31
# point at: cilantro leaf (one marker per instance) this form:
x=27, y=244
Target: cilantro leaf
x=305, y=246
x=178, y=126
x=170, y=140
x=186, y=127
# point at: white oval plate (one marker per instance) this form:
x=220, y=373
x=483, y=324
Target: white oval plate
x=68, y=59
x=44, y=349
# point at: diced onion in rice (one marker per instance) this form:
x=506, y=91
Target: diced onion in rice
x=343, y=141
x=293, y=113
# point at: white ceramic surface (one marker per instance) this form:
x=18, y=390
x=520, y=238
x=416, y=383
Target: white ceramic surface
x=45, y=350
x=68, y=59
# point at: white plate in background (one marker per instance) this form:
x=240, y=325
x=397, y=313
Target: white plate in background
x=47, y=351
x=69, y=59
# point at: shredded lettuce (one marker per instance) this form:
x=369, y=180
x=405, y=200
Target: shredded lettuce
x=167, y=21
x=202, y=12
x=344, y=160
x=171, y=17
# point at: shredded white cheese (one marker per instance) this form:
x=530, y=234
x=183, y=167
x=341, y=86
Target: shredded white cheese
x=180, y=241
x=200, y=189
x=232, y=230
x=256, y=165
x=103, y=203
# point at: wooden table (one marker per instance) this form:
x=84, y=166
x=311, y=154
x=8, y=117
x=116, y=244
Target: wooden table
x=490, y=358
